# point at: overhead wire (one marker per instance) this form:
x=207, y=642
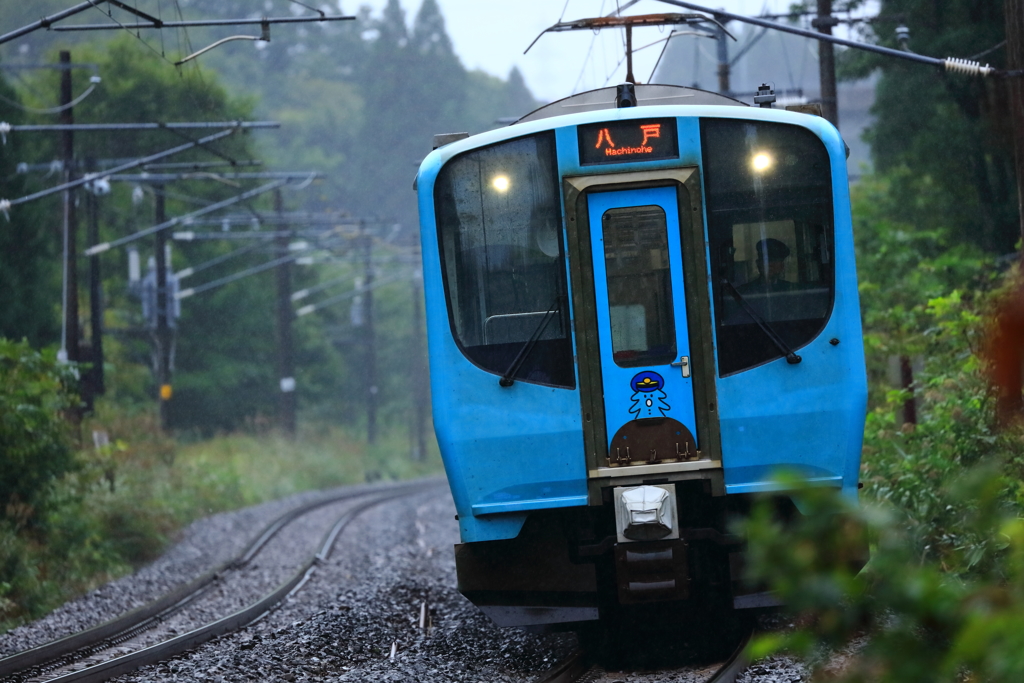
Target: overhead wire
x=988, y=51
x=160, y=15
x=586, y=58
x=320, y=11
x=138, y=36
x=94, y=81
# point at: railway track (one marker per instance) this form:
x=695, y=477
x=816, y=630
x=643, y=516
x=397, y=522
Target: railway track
x=578, y=667
x=98, y=651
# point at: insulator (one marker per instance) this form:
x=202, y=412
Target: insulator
x=967, y=67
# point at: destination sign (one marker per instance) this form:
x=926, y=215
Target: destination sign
x=616, y=142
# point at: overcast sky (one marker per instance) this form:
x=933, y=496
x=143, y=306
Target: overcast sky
x=492, y=34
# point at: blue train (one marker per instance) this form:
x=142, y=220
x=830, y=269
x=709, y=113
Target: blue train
x=641, y=303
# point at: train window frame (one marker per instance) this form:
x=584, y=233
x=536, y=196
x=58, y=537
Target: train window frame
x=808, y=207
x=664, y=318
x=561, y=362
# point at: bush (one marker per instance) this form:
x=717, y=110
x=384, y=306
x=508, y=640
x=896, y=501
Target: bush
x=942, y=598
x=925, y=621
x=35, y=443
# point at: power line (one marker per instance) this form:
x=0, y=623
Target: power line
x=184, y=125
x=310, y=308
x=47, y=22
x=953, y=64
x=106, y=246
x=6, y=204
x=159, y=24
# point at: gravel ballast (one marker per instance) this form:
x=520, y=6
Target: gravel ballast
x=358, y=618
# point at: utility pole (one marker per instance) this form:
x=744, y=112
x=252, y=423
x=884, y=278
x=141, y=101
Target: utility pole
x=419, y=380
x=723, y=61
x=71, y=345
x=97, y=386
x=369, y=341
x=827, y=62
x=163, y=336
x=285, y=315
x=1014, y=11
x=629, y=55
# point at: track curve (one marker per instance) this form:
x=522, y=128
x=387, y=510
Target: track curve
x=29, y=663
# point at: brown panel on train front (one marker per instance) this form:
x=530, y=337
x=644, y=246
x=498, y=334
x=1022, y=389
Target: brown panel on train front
x=652, y=440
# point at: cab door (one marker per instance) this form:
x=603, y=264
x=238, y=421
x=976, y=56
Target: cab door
x=643, y=336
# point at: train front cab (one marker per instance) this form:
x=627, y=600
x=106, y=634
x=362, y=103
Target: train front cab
x=625, y=346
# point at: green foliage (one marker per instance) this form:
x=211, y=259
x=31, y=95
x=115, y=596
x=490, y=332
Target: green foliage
x=942, y=596
x=35, y=443
x=949, y=134
x=901, y=268
x=924, y=622
x=358, y=101
x=29, y=241
x=126, y=501
x=364, y=99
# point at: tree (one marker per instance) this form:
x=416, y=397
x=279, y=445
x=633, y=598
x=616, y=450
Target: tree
x=948, y=131
x=30, y=241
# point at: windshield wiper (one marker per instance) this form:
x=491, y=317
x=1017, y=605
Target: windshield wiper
x=791, y=357
x=509, y=377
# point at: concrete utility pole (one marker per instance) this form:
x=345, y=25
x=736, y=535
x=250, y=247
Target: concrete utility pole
x=1014, y=14
x=285, y=315
x=97, y=386
x=163, y=329
x=724, y=87
x=369, y=338
x=824, y=22
x=71, y=345
x=419, y=379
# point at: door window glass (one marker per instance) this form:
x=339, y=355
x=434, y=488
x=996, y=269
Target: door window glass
x=769, y=195
x=639, y=285
x=504, y=266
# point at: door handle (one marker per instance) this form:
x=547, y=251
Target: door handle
x=684, y=365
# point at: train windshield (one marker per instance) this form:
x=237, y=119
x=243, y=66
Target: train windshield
x=639, y=286
x=769, y=201
x=503, y=259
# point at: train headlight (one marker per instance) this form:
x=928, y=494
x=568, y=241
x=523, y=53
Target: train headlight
x=761, y=162
x=500, y=183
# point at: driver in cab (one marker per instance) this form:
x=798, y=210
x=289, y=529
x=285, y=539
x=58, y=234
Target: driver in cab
x=771, y=267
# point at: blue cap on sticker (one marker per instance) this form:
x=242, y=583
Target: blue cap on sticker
x=646, y=381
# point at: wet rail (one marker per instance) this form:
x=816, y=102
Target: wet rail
x=34, y=664
x=578, y=667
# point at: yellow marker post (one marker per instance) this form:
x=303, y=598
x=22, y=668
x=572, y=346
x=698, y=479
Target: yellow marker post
x=166, y=392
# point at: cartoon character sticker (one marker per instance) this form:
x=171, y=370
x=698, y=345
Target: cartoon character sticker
x=648, y=395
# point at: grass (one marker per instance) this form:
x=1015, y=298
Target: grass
x=128, y=500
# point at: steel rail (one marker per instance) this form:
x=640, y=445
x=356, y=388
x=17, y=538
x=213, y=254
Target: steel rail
x=117, y=628
x=569, y=670
x=578, y=664
x=734, y=666
x=235, y=621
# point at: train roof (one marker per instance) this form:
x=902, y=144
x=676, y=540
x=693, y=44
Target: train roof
x=604, y=98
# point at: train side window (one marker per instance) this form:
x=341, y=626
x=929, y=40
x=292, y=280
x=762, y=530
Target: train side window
x=639, y=286
x=503, y=260
x=770, y=223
